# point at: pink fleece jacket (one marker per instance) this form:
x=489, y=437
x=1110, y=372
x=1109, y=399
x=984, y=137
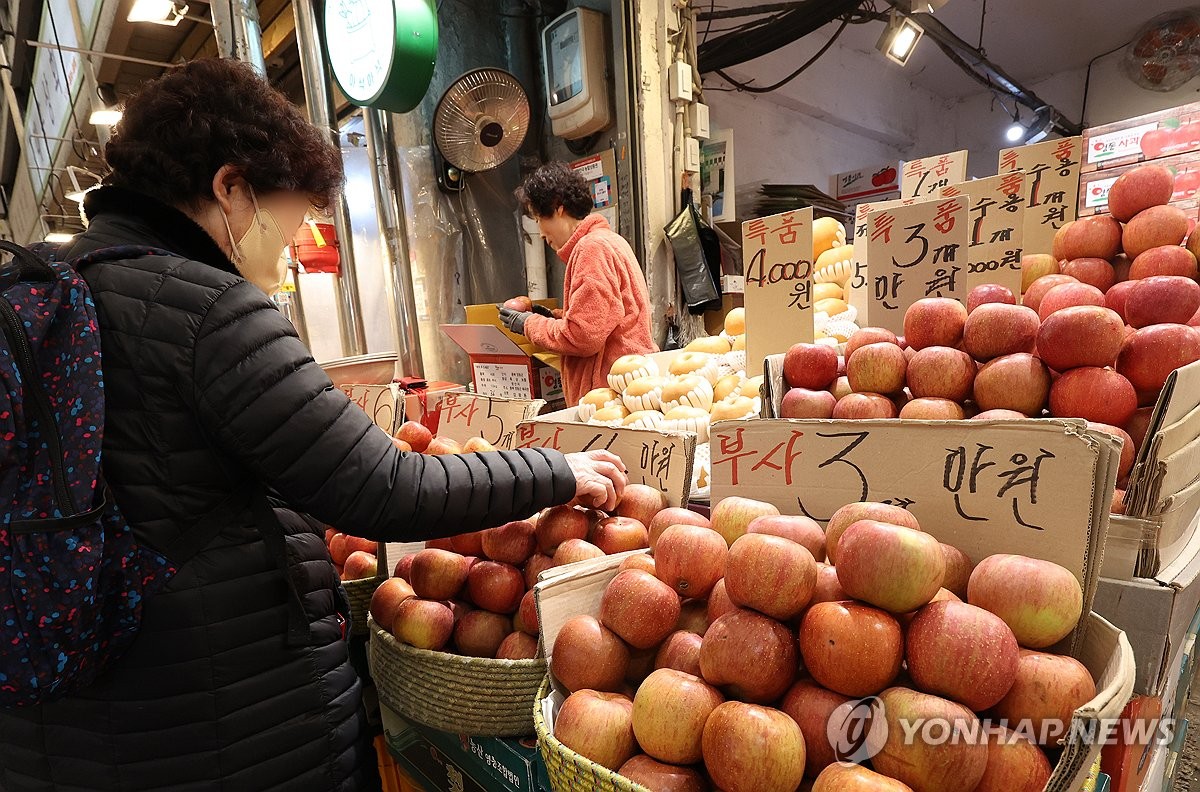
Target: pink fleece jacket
x=606, y=308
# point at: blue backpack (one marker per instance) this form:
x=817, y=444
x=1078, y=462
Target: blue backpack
x=72, y=575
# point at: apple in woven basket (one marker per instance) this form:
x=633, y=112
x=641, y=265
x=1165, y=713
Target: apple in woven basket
x=598, y=726
x=423, y=623
x=750, y=748
x=360, y=565
x=588, y=655
x=662, y=777
x=387, y=599
x=480, y=633
x=517, y=646
x=669, y=712
x=438, y=574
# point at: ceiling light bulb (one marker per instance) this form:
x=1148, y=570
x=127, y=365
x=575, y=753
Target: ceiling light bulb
x=903, y=43
x=59, y=237
x=1014, y=132
x=107, y=117
x=151, y=11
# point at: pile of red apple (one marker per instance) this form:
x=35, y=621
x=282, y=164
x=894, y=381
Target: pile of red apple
x=473, y=593
x=719, y=662
x=353, y=557
x=415, y=436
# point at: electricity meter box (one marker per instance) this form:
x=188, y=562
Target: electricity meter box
x=575, y=63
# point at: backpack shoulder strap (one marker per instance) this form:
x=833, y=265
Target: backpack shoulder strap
x=116, y=253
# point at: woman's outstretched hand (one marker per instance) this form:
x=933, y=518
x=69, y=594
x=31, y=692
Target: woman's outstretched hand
x=599, y=479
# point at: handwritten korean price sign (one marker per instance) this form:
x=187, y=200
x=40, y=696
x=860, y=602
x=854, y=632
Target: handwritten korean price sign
x=380, y=402
x=1051, y=184
x=859, y=286
x=923, y=178
x=914, y=252
x=659, y=459
x=1026, y=487
x=997, y=214
x=466, y=415
x=777, y=258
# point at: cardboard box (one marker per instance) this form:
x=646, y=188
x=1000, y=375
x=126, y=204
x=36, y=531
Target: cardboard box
x=504, y=364
x=1102, y=648
x=1143, y=138
x=444, y=761
x=390, y=405
x=462, y=416
x=1094, y=186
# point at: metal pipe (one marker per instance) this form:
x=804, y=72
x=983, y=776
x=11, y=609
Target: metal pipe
x=239, y=36
x=100, y=54
x=297, y=318
x=393, y=227
x=14, y=107
x=320, y=112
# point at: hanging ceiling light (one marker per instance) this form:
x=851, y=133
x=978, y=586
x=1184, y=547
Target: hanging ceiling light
x=899, y=38
x=59, y=237
x=160, y=12
x=108, y=116
x=1041, y=124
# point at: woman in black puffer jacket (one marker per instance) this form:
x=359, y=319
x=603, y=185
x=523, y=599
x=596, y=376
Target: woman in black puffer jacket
x=239, y=678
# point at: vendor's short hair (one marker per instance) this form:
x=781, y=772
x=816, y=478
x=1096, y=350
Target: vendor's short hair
x=553, y=185
x=180, y=129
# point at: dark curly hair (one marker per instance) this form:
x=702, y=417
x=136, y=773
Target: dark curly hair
x=180, y=129
x=553, y=185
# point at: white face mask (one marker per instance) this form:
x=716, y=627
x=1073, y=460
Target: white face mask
x=258, y=255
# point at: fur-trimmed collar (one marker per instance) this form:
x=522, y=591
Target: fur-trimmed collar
x=169, y=228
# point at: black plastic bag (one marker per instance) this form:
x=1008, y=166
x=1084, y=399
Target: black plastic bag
x=693, y=261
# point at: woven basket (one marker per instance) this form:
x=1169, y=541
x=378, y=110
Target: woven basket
x=463, y=695
x=568, y=771
x=359, y=592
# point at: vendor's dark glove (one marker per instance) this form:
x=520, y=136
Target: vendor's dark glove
x=514, y=320
x=542, y=310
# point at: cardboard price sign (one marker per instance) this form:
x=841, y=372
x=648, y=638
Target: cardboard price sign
x=859, y=286
x=923, y=178
x=997, y=213
x=381, y=402
x=1026, y=487
x=462, y=416
x=1051, y=184
x=659, y=459
x=914, y=252
x=777, y=258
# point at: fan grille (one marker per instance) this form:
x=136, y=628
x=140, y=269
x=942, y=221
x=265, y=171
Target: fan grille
x=481, y=120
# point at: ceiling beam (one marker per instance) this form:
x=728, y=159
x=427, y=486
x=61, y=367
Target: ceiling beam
x=118, y=41
x=280, y=33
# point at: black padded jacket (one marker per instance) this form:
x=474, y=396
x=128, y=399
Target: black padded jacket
x=207, y=387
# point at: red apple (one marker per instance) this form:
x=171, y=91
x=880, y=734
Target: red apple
x=535, y=566
x=932, y=410
x=587, y=654
x=1154, y=227
x=1068, y=294
x=827, y=587
x=1083, y=335
x=438, y=544
x=640, y=608
x=573, y=551
x=851, y=513
x=1117, y=506
x=527, y=614
x=841, y=387
x=1014, y=764
x=339, y=549
x=858, y=406
x=477, y=445
x=732, y=516
x=934, y=321
x=1092, y=271
x=812, y=366
x=939, y=372
x=958, y=570
x=674, y=515
x=1116, y=297
x=1162, y=261
x=801, y=530
x=480, y=633
x=845, y=777
x=517, y=646
x=1039, y=600
x=669, y=712
x=1094, y=394
x=423, y=623
x=1139, y=424
x=403, y=568
x=1056, y=246
x=718, y=603
x=417, y=435
x=1038, y=289
x=559, y=524
x=640, y=561
x=751, y=656
x=945, y=755
x=1151, y=353
x=1091, y=237
x=512, y=543
x=401, y=445
x=443, y=446
x=851, y=648
x=943, y=595
x=804, y=403
x=1122, y=264
x=360, y=565
x=641, y=502
x=961, y=652
x=620, y=534
x=811, y=706
x=868, y=335
x=519, y=303
x=438, y=574
x=496, y=587
x=1017, y=382
x=770, y=574
x=1037, y=265
x=681, y=651
x=987, y=293
x=1162, y=299
x=994, y=330
x=387, y=599
x=1127, y=447
x=748, y=748
x=598, y=726
x=891, y=567
x=877, y=368
x=690, y=559
x=995, y=415
x=1139, y=189
x=661, y=777
x=1048, y=690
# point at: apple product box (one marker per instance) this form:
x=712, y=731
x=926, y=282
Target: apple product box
x=505, y=364
x=1142, y=139
x=1102, y=648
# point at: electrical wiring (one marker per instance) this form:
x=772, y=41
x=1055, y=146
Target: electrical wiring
x=803, y=67
x=66, y=79
x=1087, y=80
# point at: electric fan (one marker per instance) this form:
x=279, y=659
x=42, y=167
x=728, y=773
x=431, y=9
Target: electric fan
x=479, y=123
x=1165, y=53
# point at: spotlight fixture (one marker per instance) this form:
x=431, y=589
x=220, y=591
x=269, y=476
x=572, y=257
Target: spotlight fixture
x=59, y=237
x=109, y=116
x=1014, y=132
x=160, y=12
x=899, y=38
x=1041, y=124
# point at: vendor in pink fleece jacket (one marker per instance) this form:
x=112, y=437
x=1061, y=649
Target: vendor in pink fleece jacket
x=606, y=305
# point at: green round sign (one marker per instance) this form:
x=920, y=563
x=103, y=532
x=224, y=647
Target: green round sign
x=382, y=52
